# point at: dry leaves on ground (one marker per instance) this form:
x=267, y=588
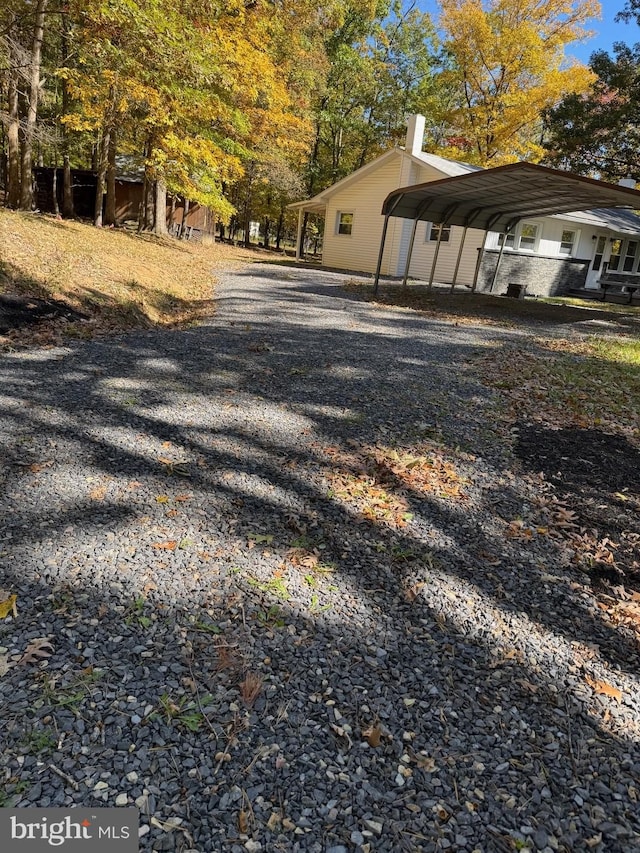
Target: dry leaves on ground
x=37, y=651
x=8, y=604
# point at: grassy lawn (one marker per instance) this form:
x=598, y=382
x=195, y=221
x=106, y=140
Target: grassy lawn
x=464, y=306
x=119, y=279
x=564, y=372
x=593, y=383
x=610, y=307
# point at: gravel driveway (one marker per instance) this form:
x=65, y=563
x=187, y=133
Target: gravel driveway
x=281, y=597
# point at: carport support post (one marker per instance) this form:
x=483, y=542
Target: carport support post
x=498, y=262
x=389, y=213
x=409, y=252
x=478, y=264
x=379, y=265
x=435, y=256
x=299, y=234
x=455, y=272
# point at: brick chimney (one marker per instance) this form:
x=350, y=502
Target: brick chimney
x=415, y=134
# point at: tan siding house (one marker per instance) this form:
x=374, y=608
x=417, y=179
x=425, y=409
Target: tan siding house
x=549, y=255
x=353, y=220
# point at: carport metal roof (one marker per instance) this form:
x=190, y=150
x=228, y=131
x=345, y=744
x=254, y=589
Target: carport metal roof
x=497, y=199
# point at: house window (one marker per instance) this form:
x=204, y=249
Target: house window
x=630, y=256
x=567, y=242
x=434, y=228
x=524, y=237
x=616, y=252
x=528, y=237
x=510, y=241
x=345, y=223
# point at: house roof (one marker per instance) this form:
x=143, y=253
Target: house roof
x=497, y=199
x=449, y=168
x=452, y=168
x=619, y=221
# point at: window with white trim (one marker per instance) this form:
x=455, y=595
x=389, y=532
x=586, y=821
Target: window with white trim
x=524, y=237
x=630, y=253
x=528, y=236
x=568, y=241
x=344, y=223
x=510, y=241
x=616, y=254
x=434, y=228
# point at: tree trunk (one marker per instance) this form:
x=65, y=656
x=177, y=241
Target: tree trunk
x=54, y=188
x=13, y=140
x=279, y=230
x=267, y=223
x=183, y=224
x=67, y=188
x=149, y=208
x=110, y=205
x=145, y=220
x=26, y=189
x=172, y=212
x=160, y=208
x=101, y=182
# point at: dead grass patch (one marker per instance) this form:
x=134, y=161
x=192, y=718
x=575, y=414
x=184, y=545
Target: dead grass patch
x=120, y=280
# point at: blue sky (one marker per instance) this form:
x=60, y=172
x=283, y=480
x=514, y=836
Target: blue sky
x=607, y=31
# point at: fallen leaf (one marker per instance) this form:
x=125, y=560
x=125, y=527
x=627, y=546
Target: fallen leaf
x=442, y=813
x=243, y=822
x=36, y=467
x=7, y=604
x=604, y=688
x=167, y=825
x=37, y=650
x=259, y=538
x=5, y=665
x=162, y=499
x=372, y=735
x=274, y=821
x=183, y=498
x=171, y=545
x=425, y=762
x=527, y=685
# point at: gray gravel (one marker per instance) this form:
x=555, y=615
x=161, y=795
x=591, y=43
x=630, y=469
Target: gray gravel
x=248, y=654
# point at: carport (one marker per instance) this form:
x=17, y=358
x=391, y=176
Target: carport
x=496, y=200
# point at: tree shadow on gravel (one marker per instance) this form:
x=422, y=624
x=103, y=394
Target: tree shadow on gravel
x=398, y=717
x=188, y=472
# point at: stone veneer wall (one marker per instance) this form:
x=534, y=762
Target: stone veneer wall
x=543, y=275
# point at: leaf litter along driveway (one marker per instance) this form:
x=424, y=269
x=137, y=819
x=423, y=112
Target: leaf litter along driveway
x=282, y=583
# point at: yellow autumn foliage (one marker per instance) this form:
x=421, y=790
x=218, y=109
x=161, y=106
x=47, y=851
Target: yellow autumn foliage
x=507, y=64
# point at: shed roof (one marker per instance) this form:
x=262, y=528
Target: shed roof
x=497, y=199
